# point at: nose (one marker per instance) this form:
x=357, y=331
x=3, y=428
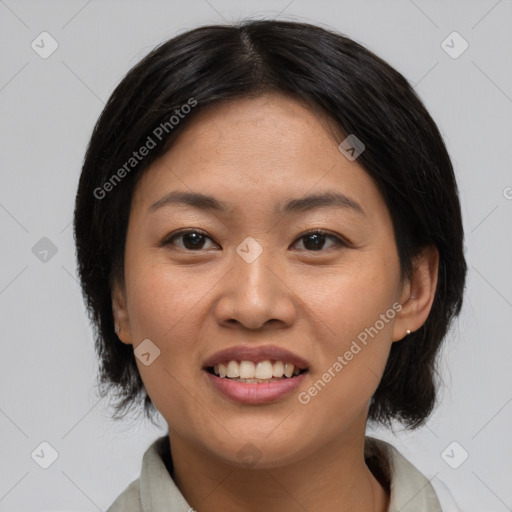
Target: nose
x=257, y=295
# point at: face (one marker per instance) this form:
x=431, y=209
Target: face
x=291, y=259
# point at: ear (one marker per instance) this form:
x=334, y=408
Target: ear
x=120, y=312
x=417, y=293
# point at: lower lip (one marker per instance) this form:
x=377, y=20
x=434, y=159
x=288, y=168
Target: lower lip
x=255, y=393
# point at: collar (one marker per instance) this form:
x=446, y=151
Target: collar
x=155, y=490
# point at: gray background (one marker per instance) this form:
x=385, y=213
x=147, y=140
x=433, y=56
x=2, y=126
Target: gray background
x=48, y=107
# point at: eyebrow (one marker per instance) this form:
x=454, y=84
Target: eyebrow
x=301, y=204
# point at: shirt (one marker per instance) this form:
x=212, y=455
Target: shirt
x=410, y=490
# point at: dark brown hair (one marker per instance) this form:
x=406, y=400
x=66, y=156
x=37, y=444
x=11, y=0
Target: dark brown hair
x=363, y=95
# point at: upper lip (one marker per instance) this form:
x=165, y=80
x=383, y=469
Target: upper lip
x=256, y=355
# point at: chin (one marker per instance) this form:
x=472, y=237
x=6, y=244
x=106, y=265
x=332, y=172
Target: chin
x=257, y=450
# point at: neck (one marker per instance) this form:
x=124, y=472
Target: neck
x=334, y=477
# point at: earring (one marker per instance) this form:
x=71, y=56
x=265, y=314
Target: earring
x=408, y=332
x=118, y=329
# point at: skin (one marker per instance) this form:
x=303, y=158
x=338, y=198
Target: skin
x=255, y=154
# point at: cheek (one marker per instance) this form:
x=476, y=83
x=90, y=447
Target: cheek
x=164, y=306
x=162, y=299
x=351, y=299
x=341, y=386
x=357, y=313
x=167, y=306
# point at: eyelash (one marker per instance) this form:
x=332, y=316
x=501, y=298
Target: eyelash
x=339, y=242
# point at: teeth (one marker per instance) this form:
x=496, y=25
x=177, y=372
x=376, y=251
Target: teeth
x=233, y=371
x=278, y=369
x=248, y=371
x=288, y=369
x=223, y=371
x=264, y=370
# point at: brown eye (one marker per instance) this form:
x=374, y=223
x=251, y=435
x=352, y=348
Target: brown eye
x=316, y=240
x=191, y=240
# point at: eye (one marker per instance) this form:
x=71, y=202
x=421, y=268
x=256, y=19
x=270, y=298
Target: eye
x=189, y=240
x=195, y=240
x=315, y=240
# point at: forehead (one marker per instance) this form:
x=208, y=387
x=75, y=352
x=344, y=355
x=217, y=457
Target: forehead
x=271, y=146
x=274, y=120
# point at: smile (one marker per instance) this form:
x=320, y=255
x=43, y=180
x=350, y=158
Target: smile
x=260, y=372
x=252, y=383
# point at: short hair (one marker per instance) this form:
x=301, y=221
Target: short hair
x=404, y=155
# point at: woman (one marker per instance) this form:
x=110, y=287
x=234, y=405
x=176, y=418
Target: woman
x=270, y=245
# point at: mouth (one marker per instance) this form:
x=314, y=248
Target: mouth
x=253, y=375
x=260, y=372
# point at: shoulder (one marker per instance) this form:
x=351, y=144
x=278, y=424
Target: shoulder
x=128, y=500
x=446, y=499
x=410, y=490
x=155, y=490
